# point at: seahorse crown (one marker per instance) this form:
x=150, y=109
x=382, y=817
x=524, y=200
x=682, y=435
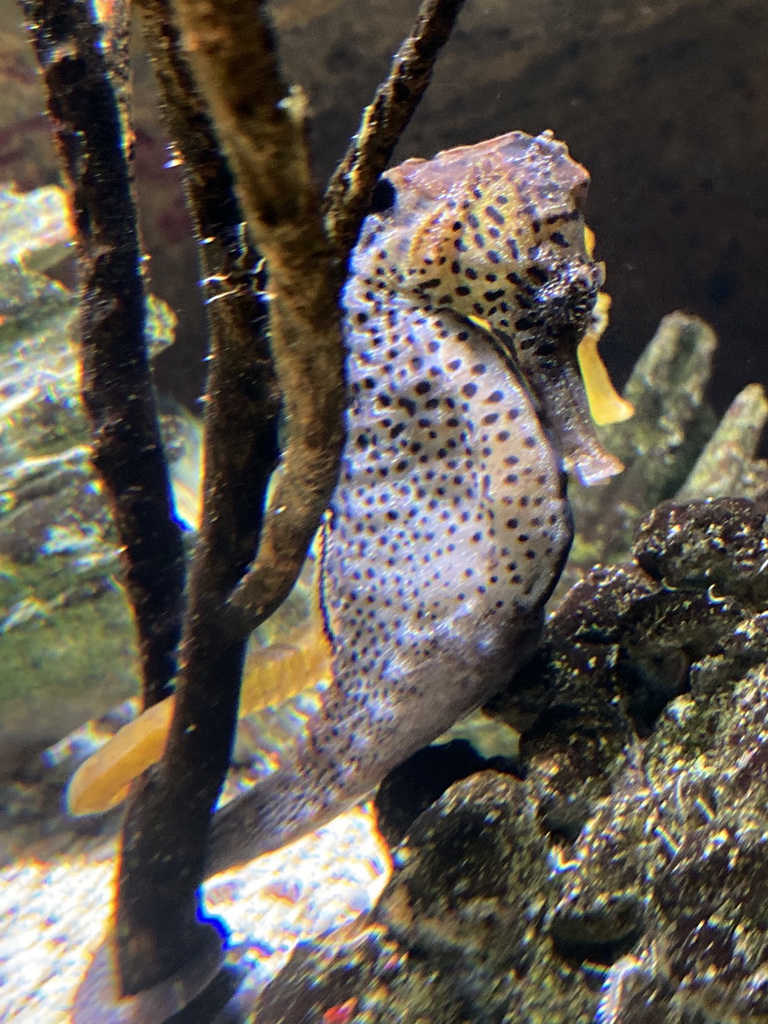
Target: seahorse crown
x=493, y=231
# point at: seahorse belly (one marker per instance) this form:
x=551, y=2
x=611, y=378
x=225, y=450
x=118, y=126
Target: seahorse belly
x=472, y=297
x=448, y=530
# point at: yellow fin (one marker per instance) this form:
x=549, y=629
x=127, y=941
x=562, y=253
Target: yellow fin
x=605, y=404
x=276, y=673
x=296, y=658
x=271, y=675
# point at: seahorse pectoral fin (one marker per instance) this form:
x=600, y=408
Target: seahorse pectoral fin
x=605, y=405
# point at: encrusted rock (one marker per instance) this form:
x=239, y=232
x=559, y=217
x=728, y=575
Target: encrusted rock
x=700, y=867
x=622, y=879
x=459, y=934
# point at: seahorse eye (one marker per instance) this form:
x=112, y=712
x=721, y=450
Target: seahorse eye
x=383, y=196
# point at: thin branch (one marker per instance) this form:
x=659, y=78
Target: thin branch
x=262, y=128
x=167, y=822
x=385, y=119
x=243, y=406
x=117, y=389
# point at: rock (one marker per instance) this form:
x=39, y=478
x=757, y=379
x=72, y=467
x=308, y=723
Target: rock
x=698, y=870
x=418, y=782
x=457, y=936
x=727, y=464
x=631, y=851
x=718, y=545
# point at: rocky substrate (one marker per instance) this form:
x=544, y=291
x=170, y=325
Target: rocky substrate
x=620, y=877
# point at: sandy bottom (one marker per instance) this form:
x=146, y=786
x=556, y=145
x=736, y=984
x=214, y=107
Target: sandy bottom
x=55, y=908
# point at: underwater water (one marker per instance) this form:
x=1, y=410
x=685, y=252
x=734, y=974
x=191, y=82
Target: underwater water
x=501, y=754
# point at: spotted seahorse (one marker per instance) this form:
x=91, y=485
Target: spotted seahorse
x=471, y=289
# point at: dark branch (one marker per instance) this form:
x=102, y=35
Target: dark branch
x=261, y=126
x=246, y=560
x=117, y=388
x=349, y=192
x=167, y=823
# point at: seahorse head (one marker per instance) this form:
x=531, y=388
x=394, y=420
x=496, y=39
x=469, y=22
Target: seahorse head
x=488, y=226
x=496, y=233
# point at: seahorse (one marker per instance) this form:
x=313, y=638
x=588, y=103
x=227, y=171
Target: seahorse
x=471, y=299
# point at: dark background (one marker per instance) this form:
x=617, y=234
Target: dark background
x=664, y=101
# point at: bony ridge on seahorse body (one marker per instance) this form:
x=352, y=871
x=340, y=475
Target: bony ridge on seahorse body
x=472, y=298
